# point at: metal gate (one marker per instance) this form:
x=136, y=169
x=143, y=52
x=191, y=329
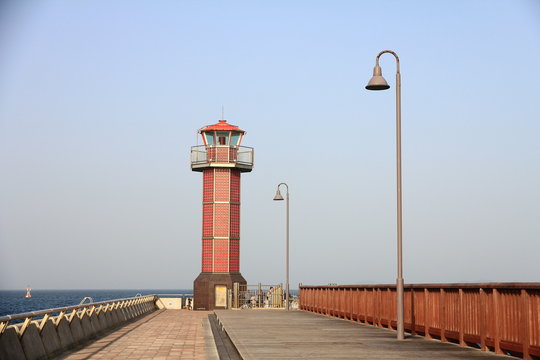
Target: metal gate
x=258, y=296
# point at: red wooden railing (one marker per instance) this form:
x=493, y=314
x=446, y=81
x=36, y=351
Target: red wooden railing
x=499, y=317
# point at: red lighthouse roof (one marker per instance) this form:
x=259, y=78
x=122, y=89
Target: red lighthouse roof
x=222, y=125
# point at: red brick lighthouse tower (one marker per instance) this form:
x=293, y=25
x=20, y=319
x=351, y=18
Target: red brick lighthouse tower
x=221, y=160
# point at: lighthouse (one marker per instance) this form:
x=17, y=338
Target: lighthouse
x=221, y=160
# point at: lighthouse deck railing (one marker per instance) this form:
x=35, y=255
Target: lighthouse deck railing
x=241, y=155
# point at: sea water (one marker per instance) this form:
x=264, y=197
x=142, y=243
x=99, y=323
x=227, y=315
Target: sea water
x=13, y=301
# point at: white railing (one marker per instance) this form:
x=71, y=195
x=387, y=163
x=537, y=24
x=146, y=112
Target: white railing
x=47, y=333
x=241, y=155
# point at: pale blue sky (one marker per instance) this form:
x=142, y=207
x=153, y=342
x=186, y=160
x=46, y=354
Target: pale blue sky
x=100, y=102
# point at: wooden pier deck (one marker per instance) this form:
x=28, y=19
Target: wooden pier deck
x=280, y=334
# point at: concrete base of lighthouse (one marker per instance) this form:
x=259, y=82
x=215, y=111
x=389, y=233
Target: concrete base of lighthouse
x=208, y=289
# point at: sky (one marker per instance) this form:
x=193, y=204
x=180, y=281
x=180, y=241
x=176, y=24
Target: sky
x=100, y=103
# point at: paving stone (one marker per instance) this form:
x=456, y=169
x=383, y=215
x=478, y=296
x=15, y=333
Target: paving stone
x=161, y=335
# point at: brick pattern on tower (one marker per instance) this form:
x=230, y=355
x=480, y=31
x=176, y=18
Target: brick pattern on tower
x=221, y=220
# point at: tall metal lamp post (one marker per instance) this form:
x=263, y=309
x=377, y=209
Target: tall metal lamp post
x=279, y=197
x=377, y=82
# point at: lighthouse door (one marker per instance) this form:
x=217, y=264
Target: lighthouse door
x=221, y=295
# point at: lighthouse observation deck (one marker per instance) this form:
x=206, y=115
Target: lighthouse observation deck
x=205, y=156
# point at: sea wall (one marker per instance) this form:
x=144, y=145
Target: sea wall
x=45, y=334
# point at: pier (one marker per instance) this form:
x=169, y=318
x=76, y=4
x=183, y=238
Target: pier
x=443, y=321
x=260, y=334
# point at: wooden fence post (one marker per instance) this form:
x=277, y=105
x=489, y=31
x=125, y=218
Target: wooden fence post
x=365, y=305
x=442, y=314
x=413, y=311
x=427, y=314
x=483, y=322
x=390, y=297
x=496, y=336
x=461, y=319
x=525, y=319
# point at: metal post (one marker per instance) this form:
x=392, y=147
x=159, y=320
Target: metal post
x=236, y=295
x=287, y=270
x=400, y=290
x=281, y=292
x=259, y=296
x=377, y=82
x=279, y=197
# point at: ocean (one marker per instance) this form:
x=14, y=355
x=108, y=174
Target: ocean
x=13, y=301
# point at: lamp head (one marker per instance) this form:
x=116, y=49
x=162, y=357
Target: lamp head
x=377, y=82
x=278, y=195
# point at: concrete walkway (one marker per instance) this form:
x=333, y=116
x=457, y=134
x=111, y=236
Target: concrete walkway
x=278, y=334
x=161, y=335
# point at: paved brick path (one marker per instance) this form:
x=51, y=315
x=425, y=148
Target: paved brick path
x=162, y=335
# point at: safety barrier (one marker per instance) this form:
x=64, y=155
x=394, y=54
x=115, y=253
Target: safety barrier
x=257, y=296
x=47, y=333
x=206, y=154
x=499, y=317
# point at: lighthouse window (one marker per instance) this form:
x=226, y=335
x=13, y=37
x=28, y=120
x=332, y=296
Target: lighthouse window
x=234, y=139
x=209, y=138
x=223, y=137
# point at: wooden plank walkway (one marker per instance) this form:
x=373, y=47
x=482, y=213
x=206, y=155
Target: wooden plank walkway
x=280, y=334
x=161, y=335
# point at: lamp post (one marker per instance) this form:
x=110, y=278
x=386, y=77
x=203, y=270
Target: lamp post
x=279, y=197
x=377, y=82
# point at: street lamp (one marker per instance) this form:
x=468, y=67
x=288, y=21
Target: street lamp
x=279, y=197
x=377, y=82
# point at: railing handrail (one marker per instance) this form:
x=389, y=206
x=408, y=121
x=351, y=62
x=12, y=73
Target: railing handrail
x=230, y=155
x=33, y=314
x=87, y=298
x=222, y=146
x=488, y=285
